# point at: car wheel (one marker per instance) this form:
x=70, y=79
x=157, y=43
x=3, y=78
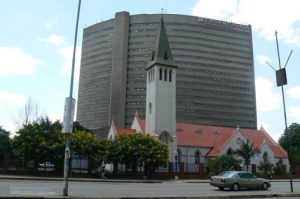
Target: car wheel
x=235, y=187
x=265, y=186
x=221, y=188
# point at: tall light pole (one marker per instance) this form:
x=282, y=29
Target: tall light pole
x=69, y=113
x=281, y=81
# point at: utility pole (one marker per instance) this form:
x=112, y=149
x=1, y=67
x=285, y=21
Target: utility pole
x=69, y=113
x=281, y=81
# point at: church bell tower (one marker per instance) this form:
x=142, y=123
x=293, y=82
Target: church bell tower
x=161, y=93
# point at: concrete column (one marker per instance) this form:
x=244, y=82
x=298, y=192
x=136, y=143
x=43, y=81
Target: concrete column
x=119, y=68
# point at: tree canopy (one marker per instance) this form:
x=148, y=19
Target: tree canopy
x=246, y=151
x=40, y=141
x=291, y=138
x=5, y=146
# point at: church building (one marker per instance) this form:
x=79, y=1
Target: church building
x=190, y=145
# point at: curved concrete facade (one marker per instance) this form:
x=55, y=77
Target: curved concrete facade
x=215, y=74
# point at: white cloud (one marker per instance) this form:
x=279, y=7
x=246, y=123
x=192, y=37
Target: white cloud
x=264, y=16
x=15, y=61
x=51, y=22
x=263, y=59
x=294, y=113
x=9, y=126
x=294, y=92
x=67, y=54
x=54, y=40
x=266, y=99
x=12, y=98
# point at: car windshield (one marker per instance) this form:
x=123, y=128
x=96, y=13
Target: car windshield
x=227, y=174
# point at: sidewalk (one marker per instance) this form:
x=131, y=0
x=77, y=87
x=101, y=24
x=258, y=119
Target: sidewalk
x=15, y=177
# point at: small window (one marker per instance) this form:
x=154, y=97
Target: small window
x=165, y=55
x=150, y=107
x=179, y=155
x=160, y=74
x=170, y=75
x=166, y=74
x=197, y=157
x=165, y=139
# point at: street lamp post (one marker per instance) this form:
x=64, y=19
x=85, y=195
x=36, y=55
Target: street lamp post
x=69, y=113
x=281, y=81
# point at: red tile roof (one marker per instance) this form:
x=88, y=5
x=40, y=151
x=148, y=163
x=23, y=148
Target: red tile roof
x=141, y=122
x=216, y=137
x=213, y=137
x=123, y=131
x=259, y=137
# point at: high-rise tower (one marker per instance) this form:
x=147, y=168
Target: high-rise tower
x=214, y=79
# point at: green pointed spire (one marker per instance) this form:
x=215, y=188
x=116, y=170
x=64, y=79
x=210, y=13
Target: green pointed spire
x=162, y=53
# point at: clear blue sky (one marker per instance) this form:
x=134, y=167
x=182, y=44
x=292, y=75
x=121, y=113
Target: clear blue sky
x=36, y=42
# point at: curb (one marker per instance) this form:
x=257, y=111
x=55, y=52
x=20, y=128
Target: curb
x=162, y=197
x=78, y=179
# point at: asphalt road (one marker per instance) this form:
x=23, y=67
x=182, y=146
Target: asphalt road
x=10, y=187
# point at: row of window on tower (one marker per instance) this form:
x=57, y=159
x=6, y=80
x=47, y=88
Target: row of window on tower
x=164, y=75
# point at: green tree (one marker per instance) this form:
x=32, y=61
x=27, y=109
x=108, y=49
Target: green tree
x=134, y=149
x=40, y=141
x=247, y=151
x=278, y=168
x=85, y=144
x=78, y=127
x=150, y=151
x=224, y=162
x=5, y=142
x=291, y=138
x=89, y=145
x=264, y=166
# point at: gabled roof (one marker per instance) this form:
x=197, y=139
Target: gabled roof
x=141, y=122
x=259, y=137
x=215, y=137
x=162, y=53
x=195, y=135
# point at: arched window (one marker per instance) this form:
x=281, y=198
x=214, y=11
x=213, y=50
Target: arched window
x=179, y=155
x=160, y=74
x=166, y=74
x=230, y=151
x=165, y=138
x=265, y=156
x=170, y=75
x=197, y=157
x=150, y=107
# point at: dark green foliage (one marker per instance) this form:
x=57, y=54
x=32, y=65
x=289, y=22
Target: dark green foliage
x=137, y=149
x=5, y=142
x=247, y=151
x=87, y=144
x=221, y=163
x=278, y=168
x=41, y=141
x=264, y=166
x=292, y=136
x=78, y=127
